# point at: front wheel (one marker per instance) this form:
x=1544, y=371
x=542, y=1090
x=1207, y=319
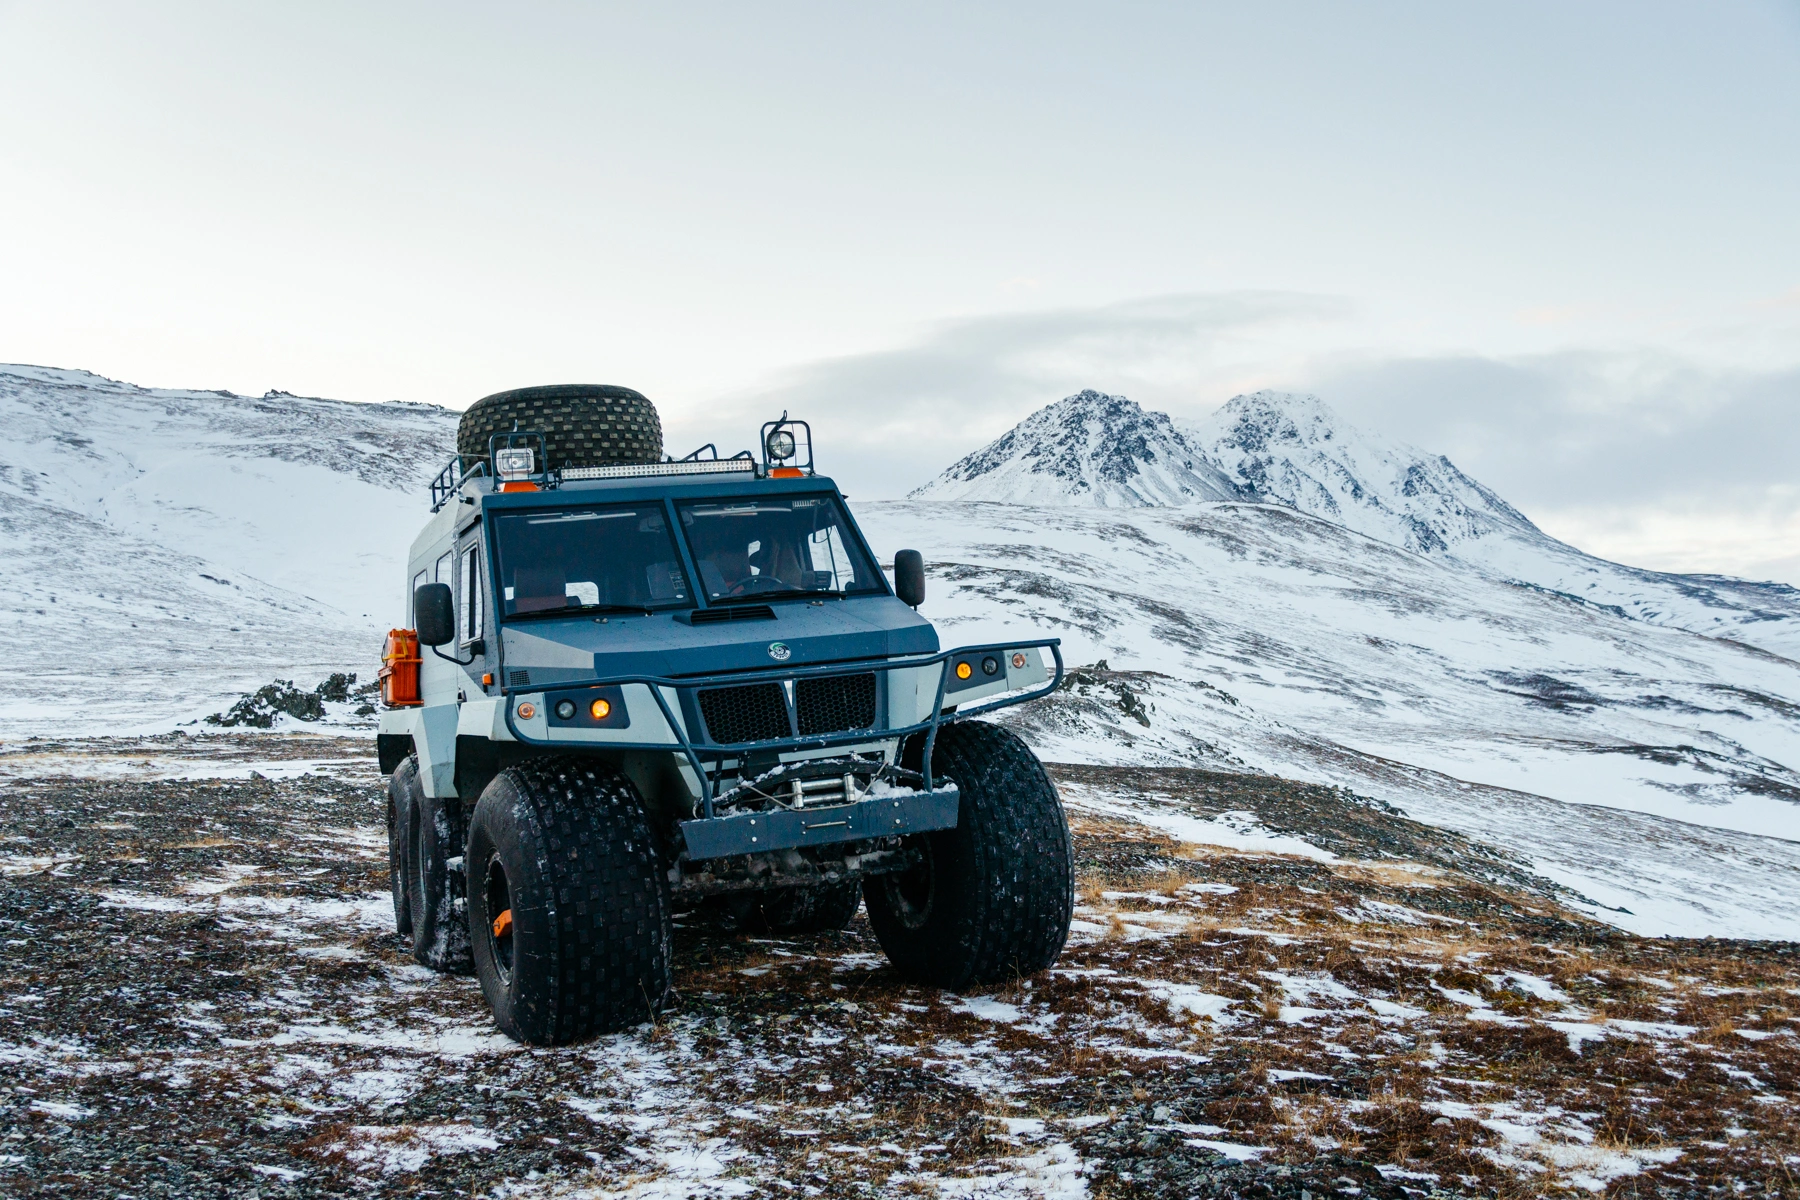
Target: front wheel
x=568, y=911
x=991, y=899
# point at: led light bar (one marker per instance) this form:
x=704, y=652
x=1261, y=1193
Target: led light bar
x=710, y=466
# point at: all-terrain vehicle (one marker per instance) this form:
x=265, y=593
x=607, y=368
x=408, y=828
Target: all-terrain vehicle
x=652, y=684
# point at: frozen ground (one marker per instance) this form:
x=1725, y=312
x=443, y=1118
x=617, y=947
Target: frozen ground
x=1302, y=994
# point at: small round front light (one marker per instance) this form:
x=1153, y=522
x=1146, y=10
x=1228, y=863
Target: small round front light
x=781, y=445
x=565, y=710
x=600, y=710
x=963, y=670
x=527, y=711
x=1018, y=662
x=990, y=666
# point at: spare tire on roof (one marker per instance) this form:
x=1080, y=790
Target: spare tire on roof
x=584, y=424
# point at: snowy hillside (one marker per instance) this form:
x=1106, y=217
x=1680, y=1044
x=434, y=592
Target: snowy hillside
x=1250, y=636
x=1294, y=450
x=182, y=546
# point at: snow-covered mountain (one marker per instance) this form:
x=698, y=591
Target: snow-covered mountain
x=1088, y=449
x=1293, y=450
x=176, y=547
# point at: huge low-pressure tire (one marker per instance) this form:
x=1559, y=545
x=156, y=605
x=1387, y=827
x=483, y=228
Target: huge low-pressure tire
x=568, y=907
x=402, y=788
x=584, y=424
x=991, y=899
x=440, y=930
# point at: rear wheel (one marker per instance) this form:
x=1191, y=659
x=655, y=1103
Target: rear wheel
x=568, y=909
x=817, y=909
x=812, y=910
x=402, y=787
x=992, y=898
x=440, y=932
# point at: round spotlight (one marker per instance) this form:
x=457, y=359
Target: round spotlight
x=565, y=710
x=990, y=666
x=600, y=709
x=781, y=445
x=963, y=670
x=1018, y=662
x=527, y=711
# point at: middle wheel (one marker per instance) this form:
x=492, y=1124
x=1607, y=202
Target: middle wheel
x=569, y=912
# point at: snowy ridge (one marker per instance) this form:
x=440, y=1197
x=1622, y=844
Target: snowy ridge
x=1293, y=450
x=177, y=547
x=1090, y=448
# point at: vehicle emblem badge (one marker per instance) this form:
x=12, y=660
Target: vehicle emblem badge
x=779, y=651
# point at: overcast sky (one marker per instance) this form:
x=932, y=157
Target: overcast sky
x=1556, y=241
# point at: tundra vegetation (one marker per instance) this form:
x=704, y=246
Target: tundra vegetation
x=205, y=997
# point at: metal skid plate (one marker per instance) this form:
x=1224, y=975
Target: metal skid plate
x=782, y=829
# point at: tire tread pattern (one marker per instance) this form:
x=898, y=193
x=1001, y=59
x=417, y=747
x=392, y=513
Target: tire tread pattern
x=584, y=425
x=610, y=911
x=1009, y=878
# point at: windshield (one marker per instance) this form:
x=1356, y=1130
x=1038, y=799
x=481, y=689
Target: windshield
x=765, y=547
x=612, y=556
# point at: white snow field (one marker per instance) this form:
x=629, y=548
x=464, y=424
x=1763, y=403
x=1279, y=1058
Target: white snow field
x=1272, y=590
x=167, y=550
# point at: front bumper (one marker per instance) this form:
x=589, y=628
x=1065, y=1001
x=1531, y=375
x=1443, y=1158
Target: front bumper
x=892, y=815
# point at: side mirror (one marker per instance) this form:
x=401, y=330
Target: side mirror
x=909, y=577
x=434, y=615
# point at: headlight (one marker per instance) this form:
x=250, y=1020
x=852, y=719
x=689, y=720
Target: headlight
x=781, y=445
x=599, y=709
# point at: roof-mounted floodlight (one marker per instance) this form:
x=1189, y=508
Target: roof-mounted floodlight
x=514, y=462
x=787, y=448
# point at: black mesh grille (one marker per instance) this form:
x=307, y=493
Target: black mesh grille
x=745, y=714
x=835, y=704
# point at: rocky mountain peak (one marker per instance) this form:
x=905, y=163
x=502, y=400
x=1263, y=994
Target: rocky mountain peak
x=1088, y=448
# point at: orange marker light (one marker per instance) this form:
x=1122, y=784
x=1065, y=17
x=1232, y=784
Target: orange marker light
x=786, y=473
x=503, y=924
x=600, y=709
x=963, y=670
x=527, y=711
x=1019, y=661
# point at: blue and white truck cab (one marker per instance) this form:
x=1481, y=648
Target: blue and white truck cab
x=652, y=685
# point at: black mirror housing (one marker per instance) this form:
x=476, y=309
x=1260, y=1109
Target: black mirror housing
x=909, y=577
x=434, y=614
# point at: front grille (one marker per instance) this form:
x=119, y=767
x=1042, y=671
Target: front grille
x=518, y=678
x=835, y=704
x=745, y=714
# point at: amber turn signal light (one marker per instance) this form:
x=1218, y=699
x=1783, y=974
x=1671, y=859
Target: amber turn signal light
x=600, y=709
x=964, y=670
x=527, y=711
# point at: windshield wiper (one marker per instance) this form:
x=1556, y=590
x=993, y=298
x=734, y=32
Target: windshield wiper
x=782, y=594
x=570, y=610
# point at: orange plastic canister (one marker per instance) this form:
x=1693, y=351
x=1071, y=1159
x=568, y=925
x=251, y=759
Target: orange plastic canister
x=400, y=669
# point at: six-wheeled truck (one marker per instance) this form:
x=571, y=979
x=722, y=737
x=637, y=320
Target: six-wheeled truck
x=634, y=685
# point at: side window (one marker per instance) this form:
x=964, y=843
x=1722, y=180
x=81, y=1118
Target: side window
x=469, y=594
x=419, y=581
